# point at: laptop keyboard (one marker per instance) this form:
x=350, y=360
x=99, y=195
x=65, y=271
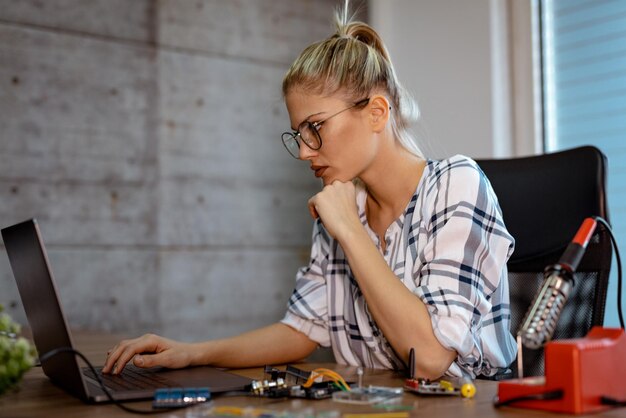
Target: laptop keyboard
x=130, y=379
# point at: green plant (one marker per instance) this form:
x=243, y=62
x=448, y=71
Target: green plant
x=16, y=353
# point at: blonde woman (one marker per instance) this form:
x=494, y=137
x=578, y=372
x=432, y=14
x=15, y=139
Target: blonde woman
x=407, y=252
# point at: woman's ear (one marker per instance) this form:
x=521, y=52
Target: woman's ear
x=380, y=111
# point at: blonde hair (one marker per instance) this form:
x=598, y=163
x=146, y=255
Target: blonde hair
x=355, y=61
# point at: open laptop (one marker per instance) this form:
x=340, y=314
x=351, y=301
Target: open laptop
x=37, y=289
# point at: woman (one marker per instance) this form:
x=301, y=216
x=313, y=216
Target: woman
x=407, y=252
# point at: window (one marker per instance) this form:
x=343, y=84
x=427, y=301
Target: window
x=583, y=50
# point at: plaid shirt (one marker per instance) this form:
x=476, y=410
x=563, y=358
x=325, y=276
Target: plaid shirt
x=449, y=248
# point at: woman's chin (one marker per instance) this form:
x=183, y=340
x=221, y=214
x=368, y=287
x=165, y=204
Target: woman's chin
x=326, y=180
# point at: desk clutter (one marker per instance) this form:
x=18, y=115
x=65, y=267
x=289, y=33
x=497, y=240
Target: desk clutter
x=296, y=383
x=321, y=383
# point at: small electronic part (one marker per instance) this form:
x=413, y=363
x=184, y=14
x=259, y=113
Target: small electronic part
x=448, y=386
x=297, y=383
x=180, y=397
x=359, y=373
x=291, y=375
x=368, y=395
x=411, y=371
x=468, y=390
x=261, y=387
x=319, y=390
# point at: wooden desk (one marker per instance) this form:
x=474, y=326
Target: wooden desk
x=38, y=397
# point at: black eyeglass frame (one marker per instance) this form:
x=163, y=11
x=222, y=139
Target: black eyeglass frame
x=286, y=136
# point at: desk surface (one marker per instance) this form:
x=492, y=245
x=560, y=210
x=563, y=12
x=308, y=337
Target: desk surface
x=37, y=396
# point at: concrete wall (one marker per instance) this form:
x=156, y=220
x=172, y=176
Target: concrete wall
x=144, y=137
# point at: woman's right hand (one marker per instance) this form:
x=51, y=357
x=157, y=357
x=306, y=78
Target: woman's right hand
x=148, y=351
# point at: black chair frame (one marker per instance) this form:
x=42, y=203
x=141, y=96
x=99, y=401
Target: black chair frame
x=544, y=200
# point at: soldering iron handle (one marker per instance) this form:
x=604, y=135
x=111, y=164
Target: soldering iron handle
x=541, y=319
x=576, y=249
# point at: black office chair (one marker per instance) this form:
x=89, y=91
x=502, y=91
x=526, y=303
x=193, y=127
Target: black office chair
x=544, y=200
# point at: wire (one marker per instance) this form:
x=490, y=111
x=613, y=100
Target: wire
x=333, y=376
x=605, y=400
x=619, y=268
x=543, y=396
x=47, y=356
x=330, y=374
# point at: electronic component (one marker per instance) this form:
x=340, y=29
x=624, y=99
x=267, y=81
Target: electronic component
x=180, y=397
x=261, y=387
x=291, y=375
x=296, y=383
x=368, y=395
x=273, y=389
x=448, y=386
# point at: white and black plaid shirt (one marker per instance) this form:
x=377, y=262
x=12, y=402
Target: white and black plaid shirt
x=449, y=247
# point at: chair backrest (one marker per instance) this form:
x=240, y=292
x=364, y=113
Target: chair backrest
x=544, y=200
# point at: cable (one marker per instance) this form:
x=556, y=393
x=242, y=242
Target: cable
x=544, y=396
x=619, y=269
x=332, y=375
x=605, y=400
x=47, y=356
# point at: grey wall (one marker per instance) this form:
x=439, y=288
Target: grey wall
x=144, y=137
x=442, y=52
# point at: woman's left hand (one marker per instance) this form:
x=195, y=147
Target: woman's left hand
x=336, y=206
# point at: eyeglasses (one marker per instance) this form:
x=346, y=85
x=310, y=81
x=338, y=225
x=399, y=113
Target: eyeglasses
x=309, y=134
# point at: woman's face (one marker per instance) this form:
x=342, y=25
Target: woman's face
x=347, y=145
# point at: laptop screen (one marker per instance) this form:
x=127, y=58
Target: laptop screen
x=29, y=262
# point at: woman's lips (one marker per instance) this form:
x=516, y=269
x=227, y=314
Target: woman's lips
x=319, y=170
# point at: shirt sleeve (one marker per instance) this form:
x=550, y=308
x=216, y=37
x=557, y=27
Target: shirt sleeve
x=307, y=309
x=461, y=275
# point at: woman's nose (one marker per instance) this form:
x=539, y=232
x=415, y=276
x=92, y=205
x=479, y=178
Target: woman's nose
x=305, y=151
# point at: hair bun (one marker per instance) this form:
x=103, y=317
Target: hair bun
x=348, y=28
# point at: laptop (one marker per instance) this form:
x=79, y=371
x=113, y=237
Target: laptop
x=31, y=268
